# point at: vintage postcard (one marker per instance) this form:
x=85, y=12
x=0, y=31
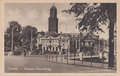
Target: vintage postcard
x=59, y=37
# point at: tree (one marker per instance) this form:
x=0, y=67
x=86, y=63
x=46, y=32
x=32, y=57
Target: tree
x=7, y=42
x=92, y=15
x=13, y=31
x=29, y=34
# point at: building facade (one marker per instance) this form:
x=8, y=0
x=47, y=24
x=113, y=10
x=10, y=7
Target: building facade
x=58, y=43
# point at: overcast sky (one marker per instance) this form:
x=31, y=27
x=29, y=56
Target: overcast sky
x=37, y=14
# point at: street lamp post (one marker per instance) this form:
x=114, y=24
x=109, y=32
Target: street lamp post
x=79, y=43
x=12, y=39
x=56, y=58
x=52, y=52
x=91, y=53
x=74, y=50
x=60, y=52
x=67, y=55
x=103, y=52
x=50, y=47
x=12, y=42
x=22, y=44
x=31, y=43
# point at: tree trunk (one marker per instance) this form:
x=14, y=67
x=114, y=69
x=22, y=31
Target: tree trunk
x=111, y=44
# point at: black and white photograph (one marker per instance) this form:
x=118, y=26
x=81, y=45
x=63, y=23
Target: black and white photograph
x=60, y=37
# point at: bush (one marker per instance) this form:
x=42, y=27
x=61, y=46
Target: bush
x=18, y=51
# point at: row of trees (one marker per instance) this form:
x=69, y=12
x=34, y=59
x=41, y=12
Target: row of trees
x=20, y=38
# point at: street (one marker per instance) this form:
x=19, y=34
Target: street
x=38, y=64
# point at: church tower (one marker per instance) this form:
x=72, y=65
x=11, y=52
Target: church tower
x=53, y=20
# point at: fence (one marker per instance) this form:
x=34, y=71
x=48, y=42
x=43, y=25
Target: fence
x=97, y=61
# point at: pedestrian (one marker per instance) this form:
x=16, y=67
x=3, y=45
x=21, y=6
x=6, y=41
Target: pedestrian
x=24, y=53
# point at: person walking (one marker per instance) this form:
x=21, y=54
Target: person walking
x=24, y=52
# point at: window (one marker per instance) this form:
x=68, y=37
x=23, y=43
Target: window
x=56, y=48
x=67, y=40
x=39, y=39
x=53, y=48
x=40, y=47
x=43, y=48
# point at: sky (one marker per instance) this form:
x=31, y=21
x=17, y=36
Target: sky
x=37, y=14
